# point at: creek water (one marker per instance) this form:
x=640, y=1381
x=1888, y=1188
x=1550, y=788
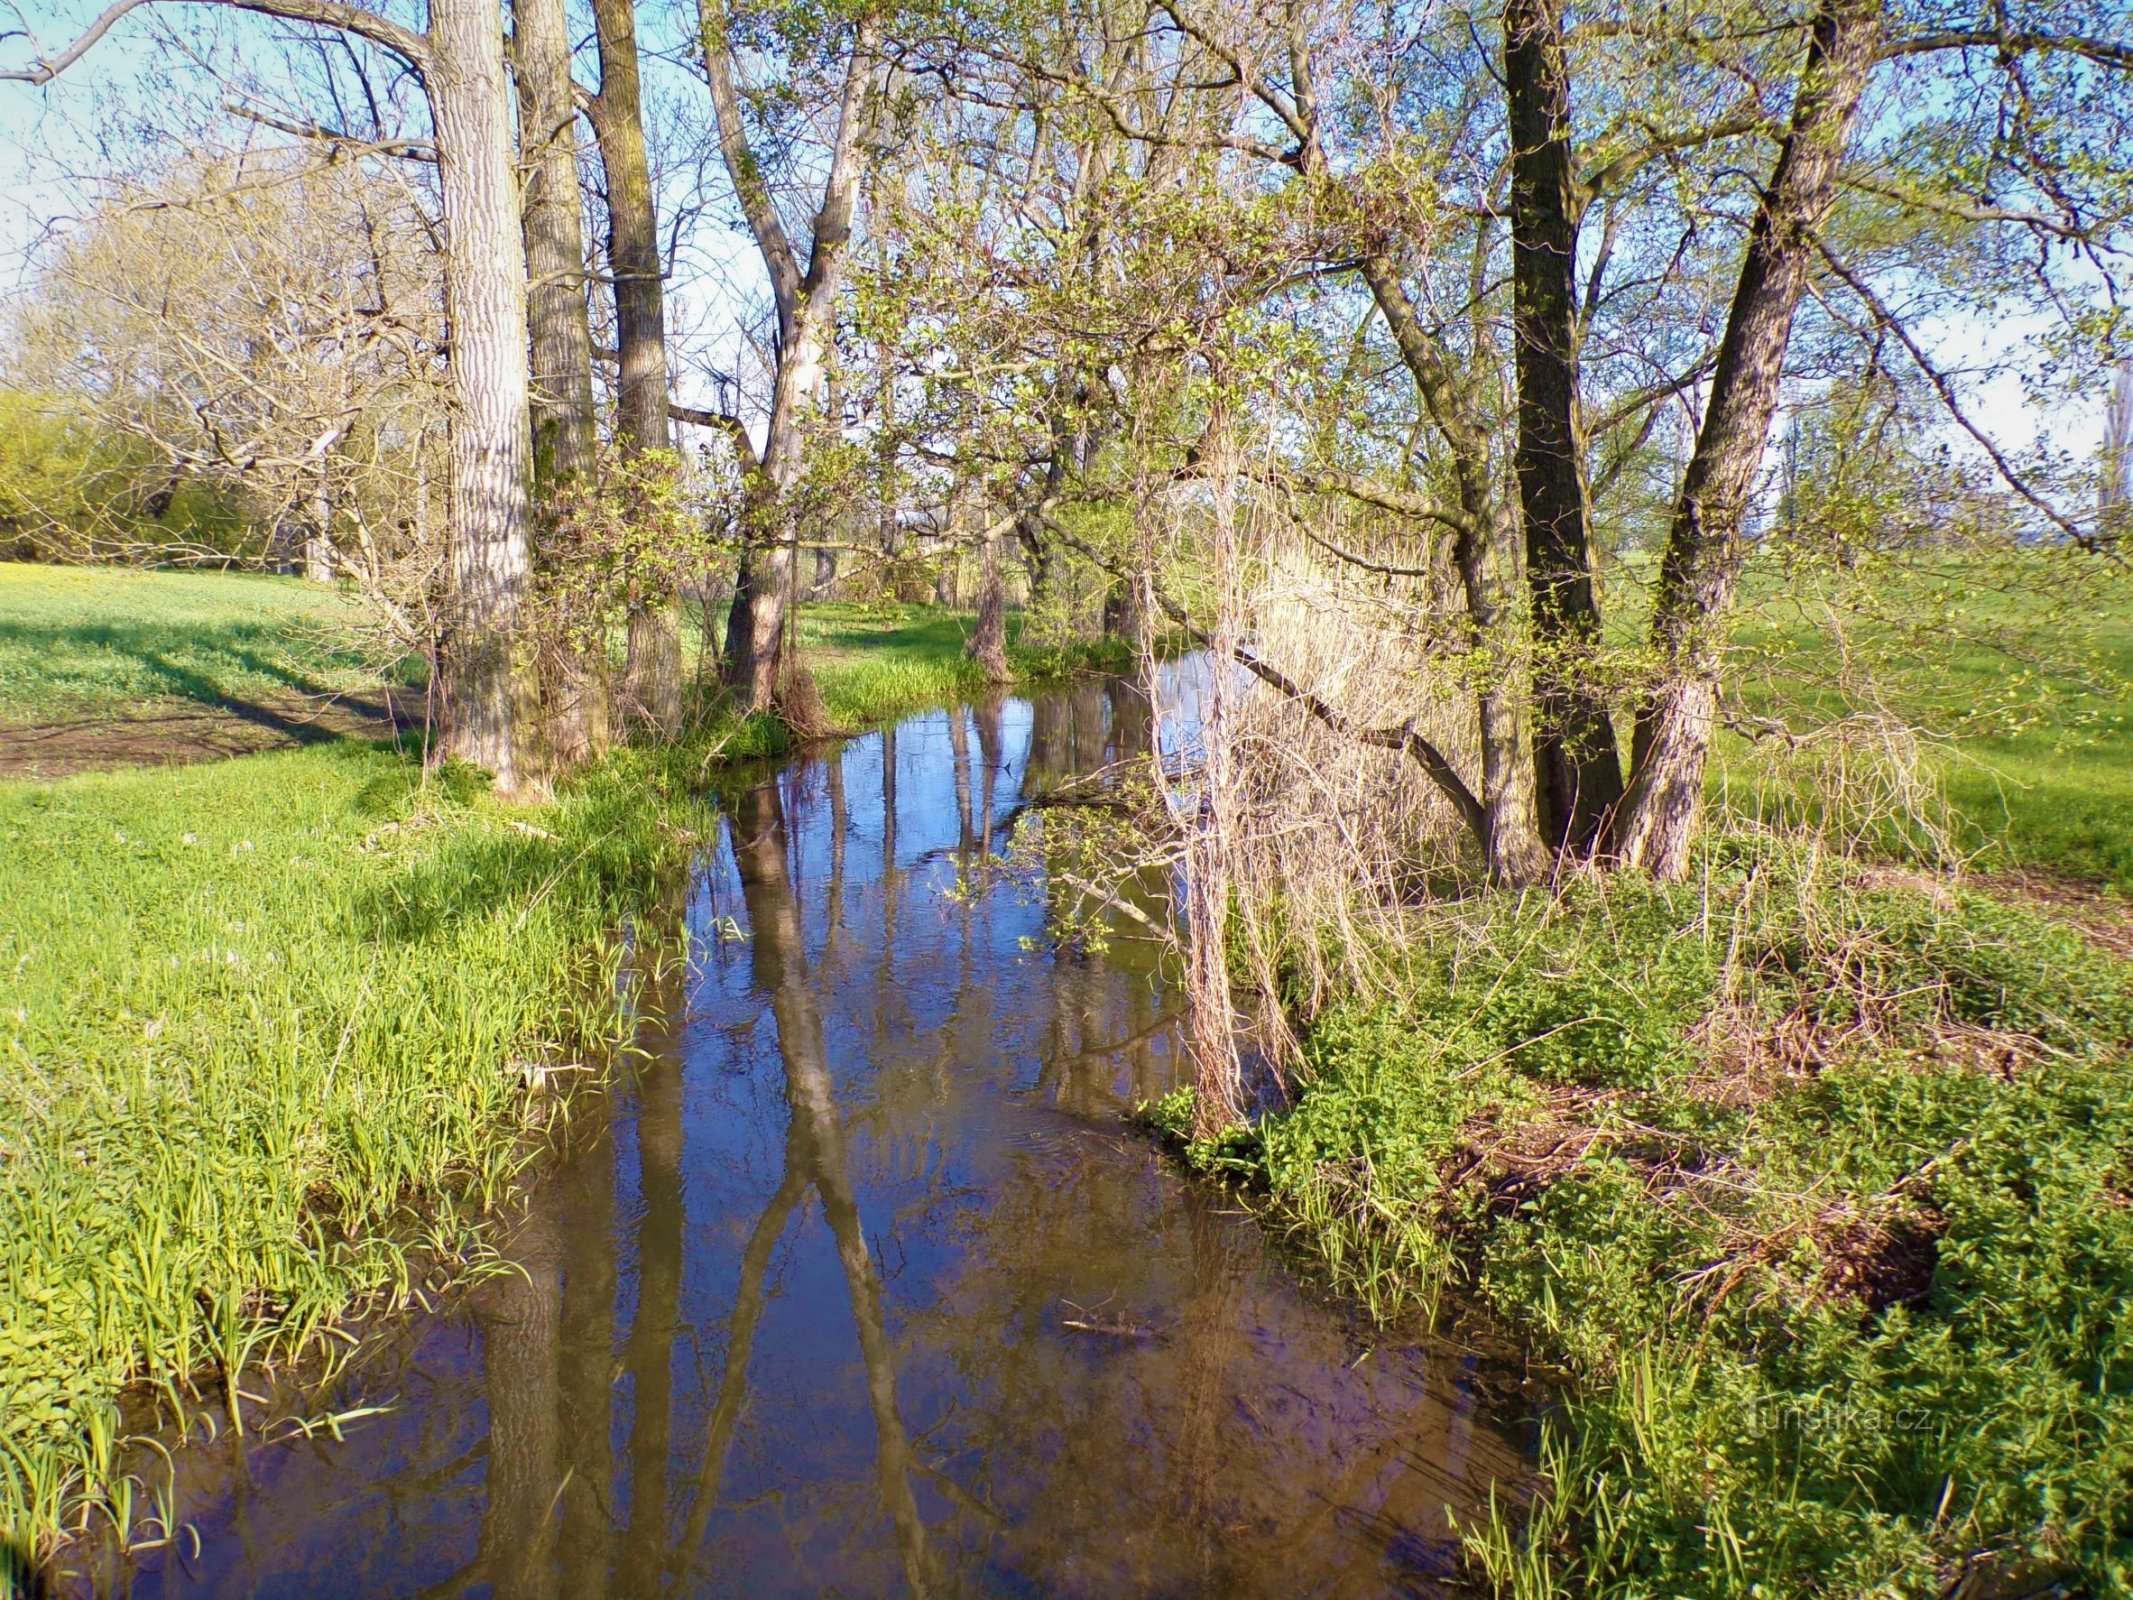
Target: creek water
x=858, y=1283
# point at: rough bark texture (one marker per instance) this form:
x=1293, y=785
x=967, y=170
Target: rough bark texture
x=988, y=643
x=652, y=677
x=574, y=678
x=562, y=400
x=1663, y=807
x=1577, y=766
x=490, y=703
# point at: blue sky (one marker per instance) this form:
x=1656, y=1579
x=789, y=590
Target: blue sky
x=53, y=140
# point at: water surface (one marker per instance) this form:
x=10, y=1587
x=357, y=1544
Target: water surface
x=860, y=1285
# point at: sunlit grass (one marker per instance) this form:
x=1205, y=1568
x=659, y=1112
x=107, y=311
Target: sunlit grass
x=2016, y=669
x=80, y=641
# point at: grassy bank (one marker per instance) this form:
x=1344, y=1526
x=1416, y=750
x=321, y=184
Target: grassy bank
x=264, y=1029
x=1808, y=1183
x=1815, y=1187
x=272, y=1026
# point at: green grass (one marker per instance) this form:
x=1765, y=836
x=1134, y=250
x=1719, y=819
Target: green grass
x=1818, y=1191
x=258, y=1022
x=260, y=1017
x=2019, y=669
x=86, y=641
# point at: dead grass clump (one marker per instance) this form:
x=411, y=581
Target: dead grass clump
x=800, y=705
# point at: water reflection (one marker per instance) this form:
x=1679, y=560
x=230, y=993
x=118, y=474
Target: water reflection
x=860, y=1286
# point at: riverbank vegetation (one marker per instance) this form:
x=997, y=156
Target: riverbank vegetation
x=1805, y=1181
x=1667, y=824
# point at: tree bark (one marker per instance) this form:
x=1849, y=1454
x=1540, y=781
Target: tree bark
x=1577, y=765
x=652, y=676
x=564, y=446
x=1663, y=808
x=318, y=533
x=988, y=643
x=490, y=699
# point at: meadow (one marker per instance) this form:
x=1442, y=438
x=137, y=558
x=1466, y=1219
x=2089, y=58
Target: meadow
x=105, y=641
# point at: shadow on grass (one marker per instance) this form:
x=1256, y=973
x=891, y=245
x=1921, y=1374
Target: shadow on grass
x=57, y=664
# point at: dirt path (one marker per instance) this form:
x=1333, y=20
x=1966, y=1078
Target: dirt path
x=172, y=732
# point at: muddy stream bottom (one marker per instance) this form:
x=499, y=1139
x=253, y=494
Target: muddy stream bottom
x=858, y=1284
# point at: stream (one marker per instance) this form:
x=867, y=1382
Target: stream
x=860, y=1284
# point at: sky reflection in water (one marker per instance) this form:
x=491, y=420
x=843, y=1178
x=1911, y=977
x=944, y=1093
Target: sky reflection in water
x=798, y=1313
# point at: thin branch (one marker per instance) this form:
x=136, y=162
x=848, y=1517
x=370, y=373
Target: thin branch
x=406, y=149
x=411, y=47
x=1886, y=318
x=2105, y=52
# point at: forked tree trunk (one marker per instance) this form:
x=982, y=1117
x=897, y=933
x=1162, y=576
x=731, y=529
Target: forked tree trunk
x=491, y=702
x=574, y=677
x=756, y=633
x=1577, y=765
x=652, y=677
x=1663, y=807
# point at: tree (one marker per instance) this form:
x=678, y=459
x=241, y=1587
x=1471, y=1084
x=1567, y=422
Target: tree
x=490, y=700
x=652, y=678
x=1577, y=765
x=565, y=442
x=805, y=296
x=1706, y=546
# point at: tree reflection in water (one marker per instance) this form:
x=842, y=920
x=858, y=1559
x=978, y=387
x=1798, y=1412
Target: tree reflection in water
x=860, y=1284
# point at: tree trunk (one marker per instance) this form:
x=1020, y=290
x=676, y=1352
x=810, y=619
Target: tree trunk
x=1486, y=553
x=988, y=644
x=652, y=677
x=1577, y=766
x=756, y=655
x=1664, y=805
x=574, y=675
x=318, y=535
x=490, y=698
x=756, y=634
